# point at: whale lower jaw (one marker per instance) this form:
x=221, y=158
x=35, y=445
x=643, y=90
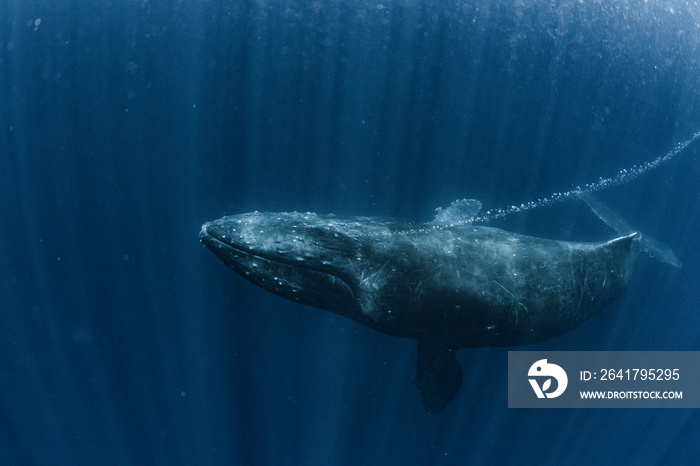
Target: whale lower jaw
x=291, y=280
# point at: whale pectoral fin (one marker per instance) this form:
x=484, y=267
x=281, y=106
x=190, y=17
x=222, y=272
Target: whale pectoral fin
x=438, y=374
x=648, y=245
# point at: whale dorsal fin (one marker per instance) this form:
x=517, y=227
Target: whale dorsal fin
x=438, y=374
x=460, y=212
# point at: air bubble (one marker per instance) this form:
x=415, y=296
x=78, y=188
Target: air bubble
x=622, y=177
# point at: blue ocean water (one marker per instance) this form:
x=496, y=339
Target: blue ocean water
x=126, y=125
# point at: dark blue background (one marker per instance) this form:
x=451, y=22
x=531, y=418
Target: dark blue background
x=125, y=125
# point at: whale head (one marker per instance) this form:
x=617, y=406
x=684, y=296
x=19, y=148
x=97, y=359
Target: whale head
x=304, y=257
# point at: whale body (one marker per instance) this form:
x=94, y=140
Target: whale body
x=446, y=286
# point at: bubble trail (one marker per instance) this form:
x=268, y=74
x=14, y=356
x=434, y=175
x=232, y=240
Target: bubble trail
x=623, y=176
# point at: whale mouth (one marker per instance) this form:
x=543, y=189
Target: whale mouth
x=291, y=278
x=221, y=244
x=215, y=238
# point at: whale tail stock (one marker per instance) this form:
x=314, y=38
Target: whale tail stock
x=648, y=245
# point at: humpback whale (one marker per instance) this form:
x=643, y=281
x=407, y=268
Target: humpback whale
x=448, y=284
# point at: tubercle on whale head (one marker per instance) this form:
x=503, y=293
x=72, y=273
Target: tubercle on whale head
x=288, y=237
